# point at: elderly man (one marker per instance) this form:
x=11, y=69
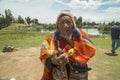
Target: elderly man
x=66, y=52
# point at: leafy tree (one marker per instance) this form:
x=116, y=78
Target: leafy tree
x=34, y=21
x=28, y=20
x=20, y=20
x=93, y=24
x=6, y=20
x=8, y=17
x=84, y=23
x=79, y=22
x=2, y=21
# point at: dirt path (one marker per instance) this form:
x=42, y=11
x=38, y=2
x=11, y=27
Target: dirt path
x=24, y=65
x=21, y=65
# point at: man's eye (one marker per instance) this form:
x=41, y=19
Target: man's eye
x=69, y=23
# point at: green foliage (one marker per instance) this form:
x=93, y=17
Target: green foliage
x=8, y=17
x=35, y=21
x=6, y=20
x=20, y=20
x=2, y=21
x=28, y=20
x=78, y=21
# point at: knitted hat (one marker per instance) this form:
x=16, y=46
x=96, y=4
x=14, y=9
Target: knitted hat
x=66, y=13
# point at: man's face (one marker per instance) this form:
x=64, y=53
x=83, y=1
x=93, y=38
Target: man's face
x=65, y=25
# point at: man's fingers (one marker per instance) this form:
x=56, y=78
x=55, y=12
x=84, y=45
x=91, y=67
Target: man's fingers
x=60, y=50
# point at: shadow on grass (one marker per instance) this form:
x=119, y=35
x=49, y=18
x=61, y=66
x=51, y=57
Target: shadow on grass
x=111, y=54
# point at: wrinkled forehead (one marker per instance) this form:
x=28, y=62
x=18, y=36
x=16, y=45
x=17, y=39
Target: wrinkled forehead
x=65, y=18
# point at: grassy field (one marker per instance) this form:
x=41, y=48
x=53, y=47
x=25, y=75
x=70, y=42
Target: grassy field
x=21, y=39
x=104, y=67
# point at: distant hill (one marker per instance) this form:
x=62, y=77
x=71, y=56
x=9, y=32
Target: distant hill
x=16, y=26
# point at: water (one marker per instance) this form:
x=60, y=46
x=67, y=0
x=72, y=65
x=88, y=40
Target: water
x=91, y=31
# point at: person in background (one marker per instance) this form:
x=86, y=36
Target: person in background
x=115, y=37
x=65, y=53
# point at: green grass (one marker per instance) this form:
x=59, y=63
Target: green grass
x=102, y=42
x=104, y=67
x=21, y=39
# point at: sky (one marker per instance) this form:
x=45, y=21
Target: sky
x=46, y=11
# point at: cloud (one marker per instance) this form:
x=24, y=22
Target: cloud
x=21, y=1
x=47, y=10
x=83, y=4
x=113, y=13
x=111, y=2
x=108, y=15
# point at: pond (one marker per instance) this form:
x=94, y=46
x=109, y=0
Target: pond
x=91, y=31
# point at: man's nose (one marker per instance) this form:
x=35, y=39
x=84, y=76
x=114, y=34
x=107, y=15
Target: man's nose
x=66, y=25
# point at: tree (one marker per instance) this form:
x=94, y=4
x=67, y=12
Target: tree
x=20, y=20
x=34, y=21
x=84, y=23
x=93, y=24
x=8, y=17
x=6, y=20
x=79, y=21
x=2, y=21
x=28, y=20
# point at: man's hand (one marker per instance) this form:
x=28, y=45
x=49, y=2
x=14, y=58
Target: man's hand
x=59, y=58
x=54, y=60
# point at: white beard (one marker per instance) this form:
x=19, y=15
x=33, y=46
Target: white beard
x=67, y=37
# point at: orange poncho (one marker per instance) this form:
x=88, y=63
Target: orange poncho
x=82, y=48
x=83, y=51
